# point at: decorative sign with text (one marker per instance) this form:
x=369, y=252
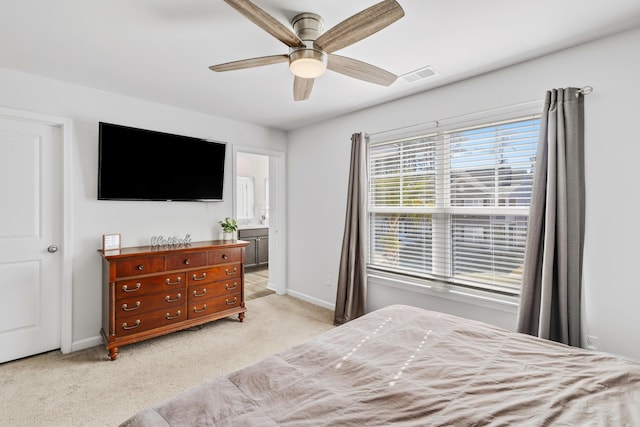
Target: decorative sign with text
x=170, y=241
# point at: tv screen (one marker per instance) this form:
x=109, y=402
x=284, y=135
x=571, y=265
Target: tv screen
x=139, y=164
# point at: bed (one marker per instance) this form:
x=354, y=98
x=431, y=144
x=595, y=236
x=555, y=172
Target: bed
x=405, y=366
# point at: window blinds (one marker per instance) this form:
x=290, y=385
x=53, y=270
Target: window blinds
x=453, y=205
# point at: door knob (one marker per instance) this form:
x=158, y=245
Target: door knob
x=52, y=249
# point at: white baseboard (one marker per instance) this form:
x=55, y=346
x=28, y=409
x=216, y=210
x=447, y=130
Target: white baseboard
x=312, y=300
x=86, y=343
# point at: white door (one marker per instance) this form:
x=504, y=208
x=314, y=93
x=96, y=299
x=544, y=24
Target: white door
x=30, y=232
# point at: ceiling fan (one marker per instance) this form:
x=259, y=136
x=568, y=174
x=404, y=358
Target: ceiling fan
x=311, y=51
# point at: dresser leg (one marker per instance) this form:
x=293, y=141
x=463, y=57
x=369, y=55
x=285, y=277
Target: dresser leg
x=113, y=353
x=241, y=316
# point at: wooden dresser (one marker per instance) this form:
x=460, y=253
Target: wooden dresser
x=152, y=291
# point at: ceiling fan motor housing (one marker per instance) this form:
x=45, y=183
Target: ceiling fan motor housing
x=308, y=26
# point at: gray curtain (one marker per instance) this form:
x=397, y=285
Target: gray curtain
x=551, y=290
x=350, y=300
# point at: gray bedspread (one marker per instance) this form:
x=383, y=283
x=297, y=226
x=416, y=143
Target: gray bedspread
x=405, y=366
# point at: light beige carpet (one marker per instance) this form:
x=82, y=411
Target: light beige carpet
x=85, y=388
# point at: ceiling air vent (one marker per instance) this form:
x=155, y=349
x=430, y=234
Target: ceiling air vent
x=422, y=73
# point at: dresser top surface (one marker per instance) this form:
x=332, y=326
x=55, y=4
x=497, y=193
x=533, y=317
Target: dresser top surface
x=172, y=249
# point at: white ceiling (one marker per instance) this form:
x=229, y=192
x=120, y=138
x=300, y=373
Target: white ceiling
x=160, y=50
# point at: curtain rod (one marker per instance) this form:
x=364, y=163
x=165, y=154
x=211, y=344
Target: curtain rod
x=585, y=90
x=485, y=113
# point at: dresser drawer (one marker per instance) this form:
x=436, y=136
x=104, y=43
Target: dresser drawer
x=198, y=293
x=187, y=260
x=145, y=321
x=223, y=272
x=214, y=305
x=139, y=266
x=161, y=283
x=221, y=256
x=163, y=300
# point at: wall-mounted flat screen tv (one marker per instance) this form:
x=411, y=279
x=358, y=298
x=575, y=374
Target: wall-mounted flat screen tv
x=139, y=164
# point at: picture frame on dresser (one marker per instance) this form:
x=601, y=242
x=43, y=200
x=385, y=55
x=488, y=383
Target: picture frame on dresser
x=111, y=241
x=150, y=291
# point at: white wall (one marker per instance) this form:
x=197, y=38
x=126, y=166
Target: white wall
x=136, y=221
x=318, y=169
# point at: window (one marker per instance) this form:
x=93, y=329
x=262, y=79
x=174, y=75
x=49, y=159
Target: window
x=453, y=205
x=244, y=197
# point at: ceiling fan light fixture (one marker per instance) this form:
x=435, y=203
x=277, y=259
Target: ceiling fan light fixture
x=308, y=63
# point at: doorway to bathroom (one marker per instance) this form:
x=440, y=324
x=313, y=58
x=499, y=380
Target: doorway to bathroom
x=259, y=209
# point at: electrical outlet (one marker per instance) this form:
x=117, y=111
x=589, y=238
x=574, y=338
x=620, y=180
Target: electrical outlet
x=592, y=342
x=328, y=282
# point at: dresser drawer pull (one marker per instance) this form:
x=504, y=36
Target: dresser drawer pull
x=229, y=273
x=169, y=282
x=186, y=261
x=196, y=294
x=125, y=307
x=140, y=267
x=235, y=285
x=204, y=307
x=170, y=317
x=125, y=288
x=224, y=256
x=135, y=325
x=196, y=278
x=235, y=300
x=168, y=298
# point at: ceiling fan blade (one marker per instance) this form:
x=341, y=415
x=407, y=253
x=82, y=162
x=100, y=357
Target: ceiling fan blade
x=250, y=63
x=267, y=22
x=302, y=88
x=360, y=26
x=360, y=70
